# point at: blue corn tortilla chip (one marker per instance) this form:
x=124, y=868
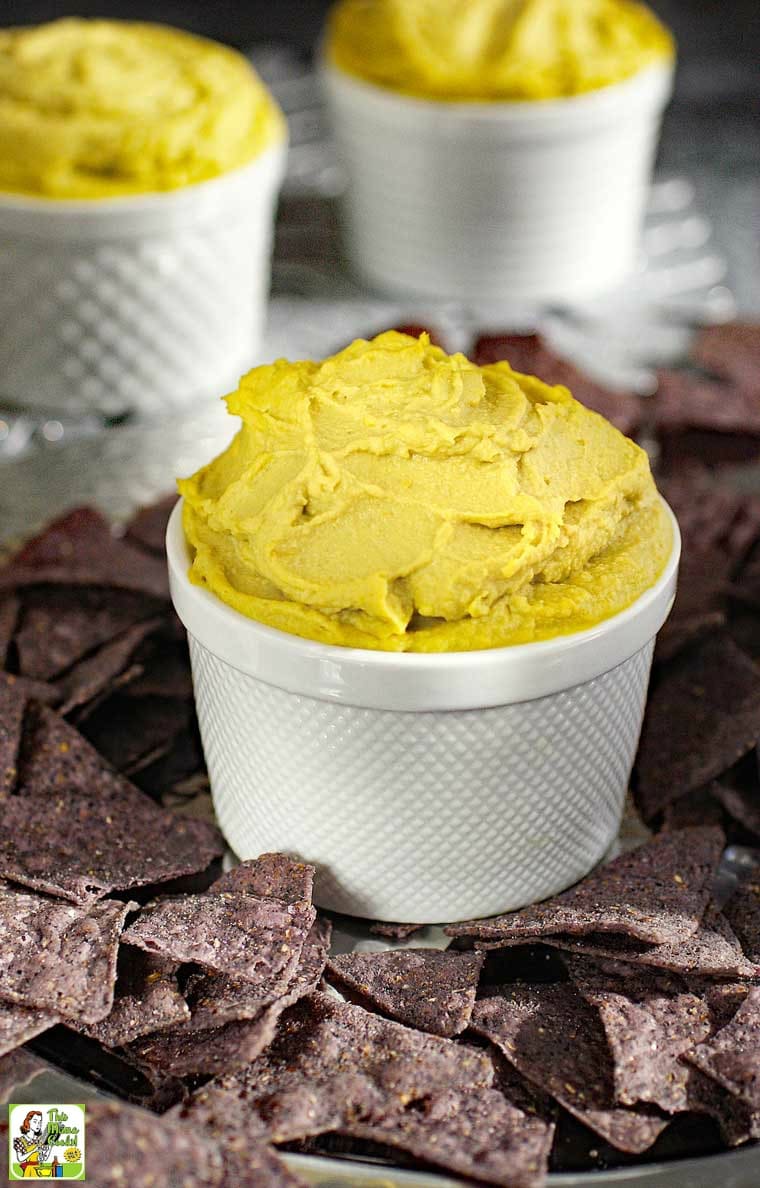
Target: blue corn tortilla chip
x=129, y=1145
x=270, y=876
x=185, y=1052
x=91, y=677
x=15, y=693
x=55, y=756
x=80, y=549
x=88, y=832
x=683, y=630
x=146, y=998
x=232, y=1021
x=556, y=1040
x=19, y=1024
x=697, y=808
x=61, y=625
x=57, y=957
x=718, y=526
x=713, y=951
x=743, y=914
x=702, y=716
x=132, y=733
x=248, y=937
x=331, y=1063
x=732, y=1056
x=480, y=1135
x=429, y=989
x=164, y=670
x=217, y=999
x=717, y=523
x=650, y=1020
x=657, y=893
x=741, y=804
x=685, y=401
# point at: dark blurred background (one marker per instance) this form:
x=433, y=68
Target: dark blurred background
x=723, y=35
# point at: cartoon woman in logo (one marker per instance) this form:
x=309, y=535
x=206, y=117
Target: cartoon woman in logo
x=31, y=1146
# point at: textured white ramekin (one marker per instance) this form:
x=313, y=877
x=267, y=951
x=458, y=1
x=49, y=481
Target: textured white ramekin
x=497, y=201
x=144, y=303
x=423, y=787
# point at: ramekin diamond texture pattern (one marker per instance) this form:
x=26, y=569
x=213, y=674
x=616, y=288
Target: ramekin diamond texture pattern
x=455, y=800
x=142, y=324
x=142, y=304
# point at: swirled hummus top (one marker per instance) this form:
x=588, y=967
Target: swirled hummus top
x=396, y=497
x=92, y=109
x=495, y=49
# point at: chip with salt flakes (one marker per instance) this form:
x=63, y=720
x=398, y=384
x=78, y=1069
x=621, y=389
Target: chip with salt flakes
x=129, y=1145
x=478, y=1134
x=216, y=999
x=712, y=951
x=732, y=1056
x=270, y=876
x=650, y=1020
x=58, y=957
x=146, y=998
x=82, y=845
x=19, y=1024
x=247, y=937
x=424, y=988
x=228, y=1028
x=331, y=1062
x=556, y=1040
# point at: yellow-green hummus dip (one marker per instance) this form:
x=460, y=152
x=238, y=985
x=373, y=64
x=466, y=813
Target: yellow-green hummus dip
x=481, y=50
x=93, y=109
x=396, y=497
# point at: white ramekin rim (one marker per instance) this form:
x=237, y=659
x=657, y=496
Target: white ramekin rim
x=414, y=681
x=650, y=86
x=88, y=218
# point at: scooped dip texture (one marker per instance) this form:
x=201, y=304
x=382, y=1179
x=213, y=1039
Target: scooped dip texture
x=399, y=498
x=92, y=109
x=495, y=49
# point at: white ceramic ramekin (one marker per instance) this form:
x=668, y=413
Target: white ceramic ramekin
x=423, y=787
x=498, y=201
x=142, y=304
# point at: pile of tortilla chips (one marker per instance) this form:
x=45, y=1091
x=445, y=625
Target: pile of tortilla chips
x=618, y=1021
